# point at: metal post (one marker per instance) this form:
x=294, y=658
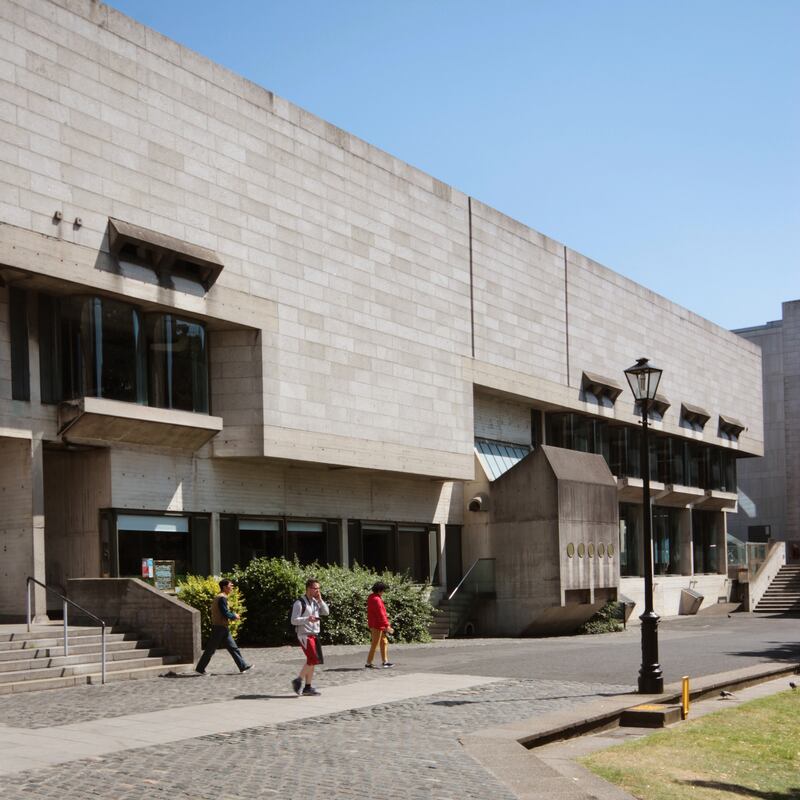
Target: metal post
x=103, y=653
x=651, y=679
x=28, y=586
x=66, y=625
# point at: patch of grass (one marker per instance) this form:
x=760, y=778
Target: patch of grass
x=752, y=750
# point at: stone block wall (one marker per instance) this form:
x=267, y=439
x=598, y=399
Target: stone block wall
x=133, y=604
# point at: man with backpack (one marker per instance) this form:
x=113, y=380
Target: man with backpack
x=306, y=612
x=221, y=617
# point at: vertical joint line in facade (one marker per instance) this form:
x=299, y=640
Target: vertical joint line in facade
x=471, y=288
x=566, y=311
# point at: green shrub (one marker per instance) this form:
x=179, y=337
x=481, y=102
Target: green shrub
x=200, y=592
x=607, y=620
x=271, y=585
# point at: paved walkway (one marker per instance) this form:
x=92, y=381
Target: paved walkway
x=22, y=749
x=374, y=733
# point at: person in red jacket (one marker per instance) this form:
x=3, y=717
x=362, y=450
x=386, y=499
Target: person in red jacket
x=379, y=626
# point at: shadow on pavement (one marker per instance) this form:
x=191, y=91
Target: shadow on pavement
x=745, y=791
x=453, y=703
x=778, y=651
x=265, y=696
x=343, y=669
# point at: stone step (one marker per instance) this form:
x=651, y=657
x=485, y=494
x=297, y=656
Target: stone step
x=38, y=643
x=112, y=646
x=93, y=678
x=82, y=658
x=56, y=631
x=81, y=669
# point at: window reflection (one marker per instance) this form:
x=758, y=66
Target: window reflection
x=103, y=350
x=178, y=363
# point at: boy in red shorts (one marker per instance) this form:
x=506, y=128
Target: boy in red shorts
x=305, y=618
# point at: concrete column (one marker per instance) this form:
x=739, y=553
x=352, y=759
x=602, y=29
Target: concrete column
x=216, y=550
x=722, y=544
x=37, y=563
x=344, y=541
x=686, y=539
x=440, y=554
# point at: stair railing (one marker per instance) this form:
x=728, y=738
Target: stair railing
x=65, y=603
x=478, y=582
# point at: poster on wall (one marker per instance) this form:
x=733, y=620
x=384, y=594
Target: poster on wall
x=165, y=575
x=147, y=568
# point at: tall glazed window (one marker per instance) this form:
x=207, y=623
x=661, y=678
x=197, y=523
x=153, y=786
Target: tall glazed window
x=178, y=363
x=103, y=352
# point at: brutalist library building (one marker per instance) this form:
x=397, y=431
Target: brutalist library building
x=229, y=329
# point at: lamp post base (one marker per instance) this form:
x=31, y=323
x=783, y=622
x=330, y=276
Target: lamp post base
x=651, y=679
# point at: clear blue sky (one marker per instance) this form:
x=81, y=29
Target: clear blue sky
x=660, y=138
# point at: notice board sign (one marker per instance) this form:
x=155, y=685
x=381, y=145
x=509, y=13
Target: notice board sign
x=164, y=575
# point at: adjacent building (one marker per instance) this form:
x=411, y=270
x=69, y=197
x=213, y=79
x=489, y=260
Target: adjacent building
x=230, y=329
x=769, y=487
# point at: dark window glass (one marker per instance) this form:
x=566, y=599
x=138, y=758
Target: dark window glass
x=705, y=528
x=49, y=350
x=414, y=552
x=259, y=539
x=178, y=363
x=452, y=548
x=536, y=428
x=200, y=527
x=228, y=542
x=378, y=547
x=629, y=521
x=20, y=364
x=158, y=545
x=666, y=541
x=695, y=465
x=102, y=350
x=307, y=541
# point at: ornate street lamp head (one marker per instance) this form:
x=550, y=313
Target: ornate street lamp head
x=643, y=378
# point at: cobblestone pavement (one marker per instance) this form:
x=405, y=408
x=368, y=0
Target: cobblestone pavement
x=404, y=750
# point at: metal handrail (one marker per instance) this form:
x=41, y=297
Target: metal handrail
x=466, y=575
x=65, y=603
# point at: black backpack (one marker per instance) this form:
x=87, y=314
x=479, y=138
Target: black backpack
x=291, y=630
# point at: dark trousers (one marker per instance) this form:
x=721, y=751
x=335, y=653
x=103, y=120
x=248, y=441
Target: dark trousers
x=220, y=637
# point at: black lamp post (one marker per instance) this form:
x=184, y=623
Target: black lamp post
x=643, y=378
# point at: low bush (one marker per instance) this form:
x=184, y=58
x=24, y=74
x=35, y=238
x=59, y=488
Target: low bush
x=200, y=592
x=607, y=620
x=271, y=585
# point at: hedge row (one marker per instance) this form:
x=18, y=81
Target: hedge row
x=270, y=586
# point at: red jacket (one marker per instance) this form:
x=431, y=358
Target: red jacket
x=376, y=612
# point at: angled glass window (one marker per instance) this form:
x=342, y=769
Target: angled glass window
x=178, y=363
x=103, y=352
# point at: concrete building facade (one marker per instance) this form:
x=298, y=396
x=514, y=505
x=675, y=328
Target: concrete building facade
x=769, y=487
x=230, y=329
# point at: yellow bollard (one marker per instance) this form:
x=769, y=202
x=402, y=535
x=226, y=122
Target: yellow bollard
x=685, y=697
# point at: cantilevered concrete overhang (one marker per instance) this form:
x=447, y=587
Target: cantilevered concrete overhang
x=630, y=490
x=679, y=496
x=97, y=421
x=717, y=501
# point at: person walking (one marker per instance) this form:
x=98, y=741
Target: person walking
x=306, y=612
x=221, y=616
x=379, y=626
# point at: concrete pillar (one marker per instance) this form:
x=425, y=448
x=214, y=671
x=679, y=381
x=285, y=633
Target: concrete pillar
x=722, y=544
x=38, y=569
x=21, y=526
x=438, y=554
x=216, y=550
x=344, y=541
x=686, y=539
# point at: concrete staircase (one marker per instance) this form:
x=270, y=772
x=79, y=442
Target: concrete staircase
x=456, y=609
x=30, y=661
x=783, y=594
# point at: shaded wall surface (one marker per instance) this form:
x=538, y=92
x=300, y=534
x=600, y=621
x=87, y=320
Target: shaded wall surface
x=551, y=516
x=769, y=487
